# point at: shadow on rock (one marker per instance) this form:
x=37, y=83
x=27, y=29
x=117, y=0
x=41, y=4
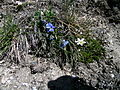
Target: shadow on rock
x=69, y=83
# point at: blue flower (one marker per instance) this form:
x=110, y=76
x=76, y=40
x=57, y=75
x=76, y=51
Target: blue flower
x=50, y=27
x=64, y=43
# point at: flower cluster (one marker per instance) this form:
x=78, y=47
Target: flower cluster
x=59, y=40
x=51, y=28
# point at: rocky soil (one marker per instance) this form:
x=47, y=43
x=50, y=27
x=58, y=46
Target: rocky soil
x=35, y=73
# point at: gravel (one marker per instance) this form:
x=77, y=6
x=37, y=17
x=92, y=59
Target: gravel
x=34, y=74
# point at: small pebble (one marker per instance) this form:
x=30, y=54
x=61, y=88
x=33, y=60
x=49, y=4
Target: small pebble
x=19, y=3
x=25, y=84
x=74, y=76
x=34, y=88
x=112, y=75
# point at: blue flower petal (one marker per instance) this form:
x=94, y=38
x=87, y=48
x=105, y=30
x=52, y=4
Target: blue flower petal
x=49, y=25
x=52, y=26
x=64, y=43
x=50, y=30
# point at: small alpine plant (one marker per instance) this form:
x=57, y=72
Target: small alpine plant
x=63, y=44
